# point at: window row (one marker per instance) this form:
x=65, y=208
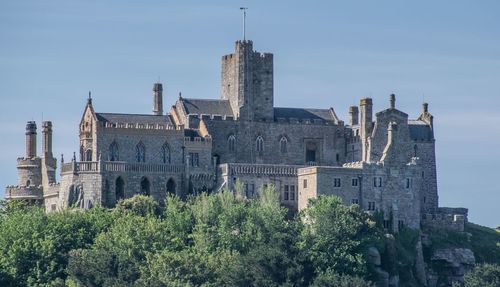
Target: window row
x=140, y=152
x=259, y=144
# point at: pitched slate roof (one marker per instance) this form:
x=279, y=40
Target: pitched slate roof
x=133, y=118
x=419, y=130
x=300, y=114
x=207, y=106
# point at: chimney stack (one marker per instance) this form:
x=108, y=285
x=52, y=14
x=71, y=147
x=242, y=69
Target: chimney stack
x=30, y=139
x=47, y=139
x=157, y=99
x=353, y=115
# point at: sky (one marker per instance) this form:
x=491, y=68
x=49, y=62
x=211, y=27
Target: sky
x=326, y=54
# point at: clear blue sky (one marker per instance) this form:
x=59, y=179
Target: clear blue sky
x=327, y=54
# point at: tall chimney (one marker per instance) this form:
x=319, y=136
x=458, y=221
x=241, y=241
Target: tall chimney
x=31, y=139
x=392, y=100
x=47, y=139
x=353, y=115
x=157, y=99
x=366, y=107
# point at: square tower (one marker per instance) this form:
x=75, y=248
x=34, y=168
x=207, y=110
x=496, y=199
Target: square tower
x=247, y=82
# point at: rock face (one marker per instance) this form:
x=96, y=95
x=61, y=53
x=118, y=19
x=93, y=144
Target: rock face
x=375, y=260
x=449, y=265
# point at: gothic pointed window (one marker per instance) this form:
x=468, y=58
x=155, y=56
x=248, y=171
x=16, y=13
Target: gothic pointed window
x=140, y=152
x=259, y=144
x=113, y=152
x=283, y=145
x=165, y=153
x=231, y=143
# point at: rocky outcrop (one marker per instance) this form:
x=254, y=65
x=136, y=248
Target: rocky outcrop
x=449, y=265
x=375, y=260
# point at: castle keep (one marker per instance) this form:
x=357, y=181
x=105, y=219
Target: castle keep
x=383, y=161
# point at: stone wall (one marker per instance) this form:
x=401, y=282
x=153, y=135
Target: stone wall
x=328, y=139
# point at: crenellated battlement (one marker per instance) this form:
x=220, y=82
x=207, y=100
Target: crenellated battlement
x=140, y=126
x=23, y=192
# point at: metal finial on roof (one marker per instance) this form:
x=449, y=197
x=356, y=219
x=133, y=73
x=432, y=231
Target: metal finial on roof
x=180, y=95
x=89, y=100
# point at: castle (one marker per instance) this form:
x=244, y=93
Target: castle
x=383, y=162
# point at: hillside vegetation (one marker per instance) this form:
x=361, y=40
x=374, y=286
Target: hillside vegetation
x=208, y=240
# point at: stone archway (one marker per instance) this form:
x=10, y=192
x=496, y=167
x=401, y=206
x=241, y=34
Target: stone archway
x=145, y=186
x=171, y=186
x=119, y=189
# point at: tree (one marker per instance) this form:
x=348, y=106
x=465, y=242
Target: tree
x=482, y=275
x=335, y=236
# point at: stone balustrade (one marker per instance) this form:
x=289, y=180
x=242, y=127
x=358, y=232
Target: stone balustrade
x=262, y=169
x=118, y=166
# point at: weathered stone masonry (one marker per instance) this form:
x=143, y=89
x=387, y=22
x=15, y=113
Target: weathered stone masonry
x=383, y=162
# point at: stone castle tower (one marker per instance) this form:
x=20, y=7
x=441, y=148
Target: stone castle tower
x=247, y=82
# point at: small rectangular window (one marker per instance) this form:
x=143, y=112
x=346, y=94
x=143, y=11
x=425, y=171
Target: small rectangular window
x=336, y=182
x=401, y=223
x=285, y=195
x=286, y=187
x=387, y=224
x=355, y=201
x=371, y=205
x=53, y=207
x=377, y=181
x=354, y=182
x=292, y=188
x=305, y=183
x=292, y=195
x=194, y=159
x=408, y=183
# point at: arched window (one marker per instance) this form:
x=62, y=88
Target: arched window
x=415, y=150
x=231, y=142
x=119, y=189
x=171, y=186
x=140, y=152
x=88, y=155
x=113, y=152
x=259, y=144
x=145, y=186
x=283, y=145
x=165, y=153
x=28, y=182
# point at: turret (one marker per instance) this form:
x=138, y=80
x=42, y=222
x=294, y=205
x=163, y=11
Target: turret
x=158, y=99
x=366, y=110
x=353, y=115
x=47, y=139
x=30, y=139
x=427, y=117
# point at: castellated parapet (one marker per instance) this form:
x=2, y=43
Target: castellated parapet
x=382, y=162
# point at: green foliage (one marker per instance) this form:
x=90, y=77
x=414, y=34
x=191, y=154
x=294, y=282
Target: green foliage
x=139, y=205
x=483, y=275
x=208, y=240
x=336, y=236
x=34, y=246
x=329, y=278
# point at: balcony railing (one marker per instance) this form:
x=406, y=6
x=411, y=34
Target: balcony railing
x=119, y=166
